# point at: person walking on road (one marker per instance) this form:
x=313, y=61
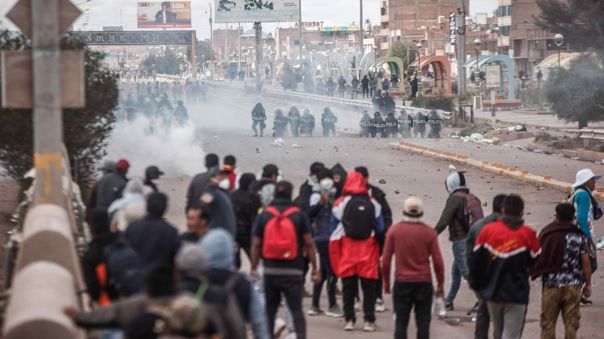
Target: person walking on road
x=355, y=87
x=307, y=126
x=412, y=244
x=504, y=253
x=354, y=250
x=328, y=122
x=320, y=214
x=462, y=209
x=258, y=119
x=482, y=313
x=564, y=269
x=294, y=121
x=365, y=86
x=587, y=211
x=280, y=236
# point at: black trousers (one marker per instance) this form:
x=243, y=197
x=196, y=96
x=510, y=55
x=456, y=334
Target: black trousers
x=291, y=286
x=350, y=286
x=327, y=276
x=482, y=321
x=408, y=295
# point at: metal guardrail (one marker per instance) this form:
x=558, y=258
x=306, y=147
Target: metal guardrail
x=358, y=104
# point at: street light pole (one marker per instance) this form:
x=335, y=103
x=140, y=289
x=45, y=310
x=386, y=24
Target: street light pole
x=419, y=67
x=300, y=30
x=477, y=44
x=361, y=30
x=559, y=41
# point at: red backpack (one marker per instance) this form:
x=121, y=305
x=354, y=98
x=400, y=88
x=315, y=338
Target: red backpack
x=280, y=237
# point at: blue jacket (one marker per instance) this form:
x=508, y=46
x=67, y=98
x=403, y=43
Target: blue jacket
x=581, y=199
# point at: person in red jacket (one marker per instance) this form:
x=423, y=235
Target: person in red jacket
x=353, y=248
x=229, y=163
x=412, y=243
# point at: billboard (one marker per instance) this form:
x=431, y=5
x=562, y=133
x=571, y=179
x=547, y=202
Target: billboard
x=164, y=14
x=493, y=76
x=230, y=11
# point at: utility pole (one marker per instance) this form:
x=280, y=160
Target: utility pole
x=258, y=31
x=226, y=42
x=211, y=45
x=461, y=52
x=362, y=49
x=300, y=29
x=239, y=32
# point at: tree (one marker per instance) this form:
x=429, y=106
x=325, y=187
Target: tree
x=86, y=130
x=577, y=93
x=581, y=22
x=406, y=51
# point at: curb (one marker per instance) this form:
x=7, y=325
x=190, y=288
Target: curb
x=491, y=167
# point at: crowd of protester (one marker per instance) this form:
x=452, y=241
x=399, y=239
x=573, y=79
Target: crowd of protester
x=145, y=280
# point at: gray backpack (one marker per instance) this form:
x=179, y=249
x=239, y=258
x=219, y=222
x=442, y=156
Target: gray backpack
x=221, y=301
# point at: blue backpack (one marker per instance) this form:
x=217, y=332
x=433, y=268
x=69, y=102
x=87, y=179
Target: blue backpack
x=124, y=268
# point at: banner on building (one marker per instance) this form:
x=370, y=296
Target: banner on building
x=452, y=28
x=230, y=11
x=493, y=76
x=164, y=14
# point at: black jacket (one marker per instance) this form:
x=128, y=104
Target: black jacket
x=109, y=189
x=199, y=183
x=153, y=239
x=223, y=214
x=244, y=211
x=93, y=257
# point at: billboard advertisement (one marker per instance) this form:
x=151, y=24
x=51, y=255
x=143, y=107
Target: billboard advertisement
x=231, y=11
x=164, y=14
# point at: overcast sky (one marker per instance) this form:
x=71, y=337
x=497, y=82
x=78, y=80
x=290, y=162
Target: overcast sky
x=338, y=12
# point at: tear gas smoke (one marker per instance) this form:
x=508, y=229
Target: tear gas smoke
x=176, y=151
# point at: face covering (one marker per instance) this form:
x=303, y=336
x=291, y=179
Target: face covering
x=225, y=184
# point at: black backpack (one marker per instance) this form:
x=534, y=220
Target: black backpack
x=359, y=217
x=124, y=268
x=221, y=300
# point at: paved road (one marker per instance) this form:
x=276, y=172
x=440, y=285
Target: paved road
x=224, y=128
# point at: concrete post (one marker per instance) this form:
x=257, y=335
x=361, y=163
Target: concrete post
x=48, y=115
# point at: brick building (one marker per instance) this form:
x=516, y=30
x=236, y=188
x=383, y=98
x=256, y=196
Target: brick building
x=521, y=37
x=419, y=20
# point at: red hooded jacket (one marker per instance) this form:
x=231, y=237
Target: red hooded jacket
x=350, y=257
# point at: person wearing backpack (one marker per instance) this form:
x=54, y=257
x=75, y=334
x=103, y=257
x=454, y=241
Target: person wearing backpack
x=379, y=196
x=240, y=302
x=353, y=247
x=462, y=209
x=280, y=235
x=587, y=212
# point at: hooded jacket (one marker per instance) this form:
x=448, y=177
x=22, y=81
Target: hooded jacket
x=109, y=189
x=504, y=252
x=218, y=248
x=453, y=214
x=242, y=202
x=553, y=243
x=348, y=256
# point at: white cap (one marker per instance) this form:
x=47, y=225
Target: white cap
x=584, y=176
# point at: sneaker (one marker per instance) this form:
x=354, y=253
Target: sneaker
x=449, y=305
x=585, y=301
x=379, y=306
x=314, y=311
x=349, y=326
x=280, y=328
x=335, y=312
x=369, y=327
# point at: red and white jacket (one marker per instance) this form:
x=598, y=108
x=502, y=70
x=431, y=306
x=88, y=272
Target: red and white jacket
x=350, y=257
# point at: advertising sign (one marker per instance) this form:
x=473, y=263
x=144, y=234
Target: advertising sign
x=452, y=28
x=164, y=14
x=493, y=76
x=230, y=11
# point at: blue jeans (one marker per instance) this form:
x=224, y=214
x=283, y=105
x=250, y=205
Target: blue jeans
x=459, y=269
